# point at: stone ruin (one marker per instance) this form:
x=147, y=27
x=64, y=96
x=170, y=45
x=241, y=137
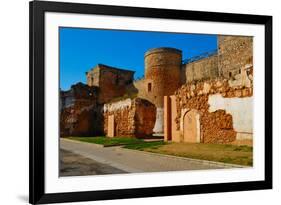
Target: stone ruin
x=129, y=118
x=80, y=111
x=186, y=101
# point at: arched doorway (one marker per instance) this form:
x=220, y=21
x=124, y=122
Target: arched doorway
x=191, y=127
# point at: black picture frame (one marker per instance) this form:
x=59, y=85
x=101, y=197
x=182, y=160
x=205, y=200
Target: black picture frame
x=37, y=194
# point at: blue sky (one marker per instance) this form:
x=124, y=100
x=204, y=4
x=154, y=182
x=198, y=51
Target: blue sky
x=81, y=49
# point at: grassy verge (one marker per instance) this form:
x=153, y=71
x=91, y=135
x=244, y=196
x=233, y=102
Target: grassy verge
x=242, y=155
x=106, y=141
x=233, y=154
x=145, y=145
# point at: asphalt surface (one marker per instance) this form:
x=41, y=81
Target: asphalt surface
x=72, y=164
x=111, y=160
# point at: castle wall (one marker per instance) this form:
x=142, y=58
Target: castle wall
x=162, y=77
x=132, y=118
x=93, y=77
x=212, y=100
x=203, y=69
x=234, y=53
x=80, y=113
x=141, y=87
x=162, y=73
x=224, y=111
x=66, y=100
x=241, y=110
x=112, y=82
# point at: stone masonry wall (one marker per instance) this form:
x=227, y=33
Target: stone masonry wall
x=81, y=116
x=217, y=126
x=132, y=117
x=203, y=69
x=162, y=73
x=141, y=87
x=112, y=82
x=234, y=52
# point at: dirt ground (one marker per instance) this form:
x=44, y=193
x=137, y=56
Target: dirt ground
x=243, y=142
x=233, y=154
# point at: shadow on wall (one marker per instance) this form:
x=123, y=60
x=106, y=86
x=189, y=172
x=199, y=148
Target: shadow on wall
x=82, y=122
x=80, y=113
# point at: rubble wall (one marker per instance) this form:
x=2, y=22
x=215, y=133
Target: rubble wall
x=220, y=107
x=132, y=117
x=80, y=116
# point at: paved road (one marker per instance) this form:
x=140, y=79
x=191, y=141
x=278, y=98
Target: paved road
x=76, y=165
x=131, y=160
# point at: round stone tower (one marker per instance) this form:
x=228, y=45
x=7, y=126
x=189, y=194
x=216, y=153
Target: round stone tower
x=162, y=78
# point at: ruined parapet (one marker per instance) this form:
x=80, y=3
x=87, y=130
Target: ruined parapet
x=129, y=118
x=78, y=94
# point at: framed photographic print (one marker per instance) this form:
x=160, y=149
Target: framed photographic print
x=140, y=102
